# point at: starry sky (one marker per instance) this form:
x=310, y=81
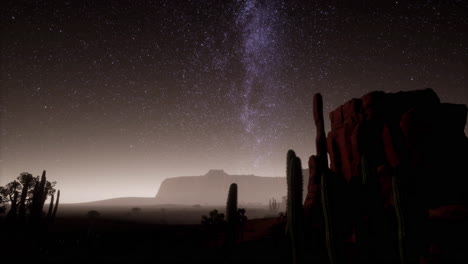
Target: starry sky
x=111, y=97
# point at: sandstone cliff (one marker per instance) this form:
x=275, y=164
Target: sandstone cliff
x=212, y=189
x=395, y=188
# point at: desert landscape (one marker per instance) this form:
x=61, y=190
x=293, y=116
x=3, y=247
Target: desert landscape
x=234, y=131
x=388, y=205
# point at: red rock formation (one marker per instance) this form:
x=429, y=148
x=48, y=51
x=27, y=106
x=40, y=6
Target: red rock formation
x=409, y=138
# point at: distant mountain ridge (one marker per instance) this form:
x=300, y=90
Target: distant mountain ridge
x=212, y=188
x=119, y=201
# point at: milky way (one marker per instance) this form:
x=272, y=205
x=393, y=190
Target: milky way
x=261, y=87
x=112, y=97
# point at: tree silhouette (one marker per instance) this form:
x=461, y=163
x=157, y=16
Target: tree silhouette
x=26, y=195
x=2, y=202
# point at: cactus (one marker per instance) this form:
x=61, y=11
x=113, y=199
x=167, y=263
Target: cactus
x=44, y=191
x=320, y=139
x=325, y=197
x=231, y=207
x=56, y=205
x=365, y=172
x=38, y=198
x=51, y=206
x=231, y=214
x=317, y=164
x=399, y=215
x=295, y=228
x=273, y=205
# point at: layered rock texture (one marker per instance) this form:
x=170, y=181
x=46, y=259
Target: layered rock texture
x=397, y=179
x=212, y=189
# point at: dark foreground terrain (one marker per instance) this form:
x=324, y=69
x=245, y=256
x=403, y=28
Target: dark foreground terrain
x=74, y=238
x=101, y=240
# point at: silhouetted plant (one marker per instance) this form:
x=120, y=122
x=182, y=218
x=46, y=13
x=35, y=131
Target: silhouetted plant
x=214, y=219
x=93, y=214
x=242, y=220
x=241, y=216
x=136, y=210
x=42, y=189
x=231, y=207
x=9, y=194
x=273, y=206
x=54, y=213
x=295, y=228
x=26, y=196
x=2, y=202
x=51, y=207
x=232, y=214
x=329, y=228
x=38, y=197
x=399, y=212
x=26, y=179
x=13, y=207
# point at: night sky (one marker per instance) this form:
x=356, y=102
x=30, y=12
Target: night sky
x=111, y=97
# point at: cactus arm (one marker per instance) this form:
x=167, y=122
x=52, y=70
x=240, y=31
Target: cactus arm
x=295, y=228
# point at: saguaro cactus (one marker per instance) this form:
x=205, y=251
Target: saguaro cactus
x=329, y=230
x=317, y=163
x=56, y=205
x=51, y=206
x=38, y=198
x=231, y=214
x=321, y=138
x=273, y=205
x=295, y=228
x=399, y=212
x=43, y=192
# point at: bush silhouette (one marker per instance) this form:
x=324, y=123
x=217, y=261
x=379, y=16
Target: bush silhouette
x=214, y=219
x=93, y=214
x=136, y=210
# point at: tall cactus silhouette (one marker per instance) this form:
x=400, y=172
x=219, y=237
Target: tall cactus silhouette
x=321, y=138
x=231, y=214
x=51, y=207
x=295, y=224
x=329, y=229
x=400, y=217
x=38, y=199
x=273, y=206
x=56, y=206
x=318, y=163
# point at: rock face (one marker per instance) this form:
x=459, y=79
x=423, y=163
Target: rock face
x=398, y=163
x=212, y=189
x=410, y=129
